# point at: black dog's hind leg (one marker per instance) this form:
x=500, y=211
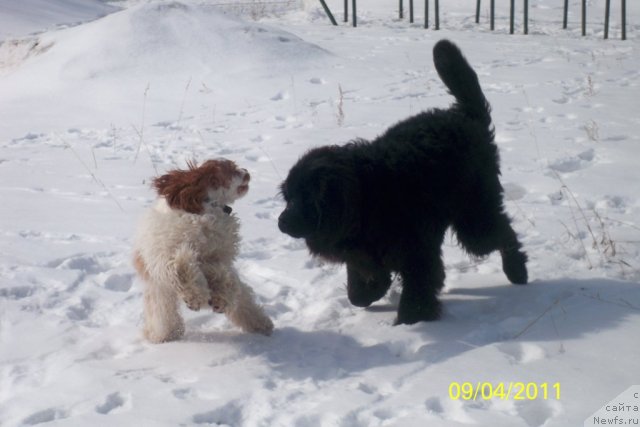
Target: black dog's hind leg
x=367, y=281
x=514, y=260
x=482, y=231
x=422, y=279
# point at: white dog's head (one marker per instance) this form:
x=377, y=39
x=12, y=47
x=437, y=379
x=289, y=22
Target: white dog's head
x=205, y=188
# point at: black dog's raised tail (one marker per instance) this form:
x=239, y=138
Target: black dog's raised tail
x=462, y=81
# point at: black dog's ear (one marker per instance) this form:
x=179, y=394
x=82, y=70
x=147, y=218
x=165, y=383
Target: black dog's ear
x=335, y=198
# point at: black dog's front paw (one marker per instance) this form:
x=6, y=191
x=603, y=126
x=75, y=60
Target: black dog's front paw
x=418, y=310
x=364, y=296
x=363, y=291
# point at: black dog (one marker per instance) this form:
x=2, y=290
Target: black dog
x=384, y=206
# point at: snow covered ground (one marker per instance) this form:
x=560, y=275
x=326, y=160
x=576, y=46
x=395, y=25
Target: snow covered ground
x=89, y=112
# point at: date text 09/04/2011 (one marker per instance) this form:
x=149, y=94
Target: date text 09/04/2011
x=504, y=391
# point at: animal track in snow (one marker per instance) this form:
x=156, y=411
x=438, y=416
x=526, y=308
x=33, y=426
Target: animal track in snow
x=450, y=410
x=434, y=406
x=183, y=393
x=45, y=416
x=514, y=191
x=573, y=163
x=536, y=412
x=280, y=96
x=119, y=282
x=229, y=414
x=85, y=263
x=28, y=137
x=113, y=403
x=522, y=353
x=81, y=311
x=17, y=292
x=133, y=374
x=616, y=138
x=617, y=203
x=367, y=388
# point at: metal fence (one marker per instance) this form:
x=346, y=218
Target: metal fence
x=583, y=15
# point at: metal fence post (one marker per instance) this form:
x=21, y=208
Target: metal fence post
x=607, y=9
x=624, y=20
x=426, y=13
x=355, y=18
x=328, y=12
x=493, y=14
x=512, y=17
x=584, y=17
x=411, y=11
x=526, y=16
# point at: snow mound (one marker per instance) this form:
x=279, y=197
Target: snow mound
x=175, y=38
x=161, y=46
x=19, y=18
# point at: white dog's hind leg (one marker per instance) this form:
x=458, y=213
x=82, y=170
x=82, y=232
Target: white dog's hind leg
x=245, y=313
x=162, y=319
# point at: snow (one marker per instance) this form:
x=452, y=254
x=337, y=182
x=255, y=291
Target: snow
x=19, y=18
x=91, y=111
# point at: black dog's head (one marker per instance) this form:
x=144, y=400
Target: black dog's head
x=319, y=192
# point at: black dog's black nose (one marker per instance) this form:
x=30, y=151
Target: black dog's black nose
x=282, y=224
x=288, y=225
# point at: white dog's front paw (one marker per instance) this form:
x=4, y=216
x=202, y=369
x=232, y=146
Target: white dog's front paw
x=193, y=289
x=218, y=304
x=193, y=304
x=196, y=298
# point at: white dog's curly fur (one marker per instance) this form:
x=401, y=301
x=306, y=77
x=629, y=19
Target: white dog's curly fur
x=185, y=248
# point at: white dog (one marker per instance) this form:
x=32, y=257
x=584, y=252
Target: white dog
x=185, y=248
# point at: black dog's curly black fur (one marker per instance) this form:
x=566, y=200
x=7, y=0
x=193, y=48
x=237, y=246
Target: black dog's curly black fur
x=384, y=206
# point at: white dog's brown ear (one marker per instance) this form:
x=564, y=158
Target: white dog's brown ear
x=187, y=189
x=180, y=190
